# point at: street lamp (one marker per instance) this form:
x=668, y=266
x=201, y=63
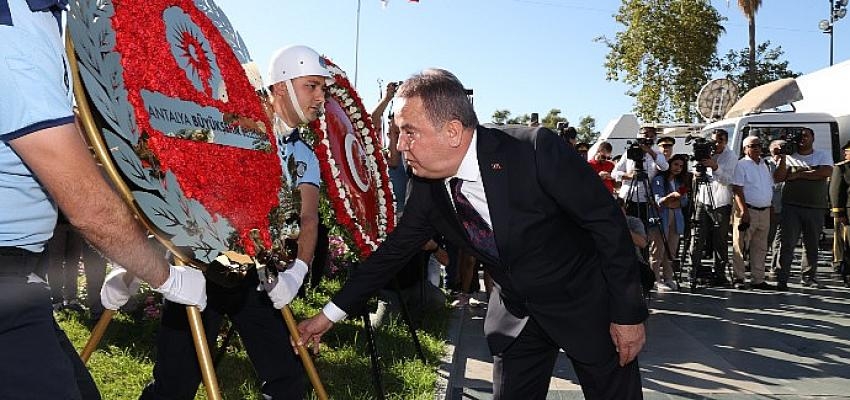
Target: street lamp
x=837, y=10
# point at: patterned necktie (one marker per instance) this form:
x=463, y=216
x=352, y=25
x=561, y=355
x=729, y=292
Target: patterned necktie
x=479, y=233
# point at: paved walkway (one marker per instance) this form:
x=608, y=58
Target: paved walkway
x=713, y=344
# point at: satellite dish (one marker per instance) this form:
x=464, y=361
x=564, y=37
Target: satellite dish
x=716, y=98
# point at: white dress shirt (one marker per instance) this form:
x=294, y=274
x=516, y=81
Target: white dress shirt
x=652, y=166
x=473, y=186
x=720, y=178
x=756, y=180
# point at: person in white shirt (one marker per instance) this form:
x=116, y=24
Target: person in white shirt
x=752, y=185
x=625, y=172
x=713, y=209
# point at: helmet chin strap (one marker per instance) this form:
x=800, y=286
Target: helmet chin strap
x=293, y=99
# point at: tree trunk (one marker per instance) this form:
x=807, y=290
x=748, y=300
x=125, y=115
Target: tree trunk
x=751, y=76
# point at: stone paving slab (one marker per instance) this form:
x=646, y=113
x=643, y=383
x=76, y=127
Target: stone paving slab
x=711, y=344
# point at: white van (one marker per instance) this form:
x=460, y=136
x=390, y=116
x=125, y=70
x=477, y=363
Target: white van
x=775, y=125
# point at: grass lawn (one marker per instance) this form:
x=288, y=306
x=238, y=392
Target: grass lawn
x=123, y=363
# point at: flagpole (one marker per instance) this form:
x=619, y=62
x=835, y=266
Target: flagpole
x=357, y=45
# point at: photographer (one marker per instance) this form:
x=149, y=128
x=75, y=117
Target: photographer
x=804, y=203
x=627, y=170
x=714, y=206
x=569, y=133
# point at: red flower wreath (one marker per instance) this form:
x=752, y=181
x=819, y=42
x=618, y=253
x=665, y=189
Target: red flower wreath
x=353, y=167
x=214, y=175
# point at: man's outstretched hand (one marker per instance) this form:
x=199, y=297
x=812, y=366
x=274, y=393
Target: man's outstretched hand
x=311, y=331
x=628, y=339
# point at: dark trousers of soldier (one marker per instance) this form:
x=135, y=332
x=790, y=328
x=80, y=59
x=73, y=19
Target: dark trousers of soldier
x=706, y=221
x=36, y=359
x=263, y=332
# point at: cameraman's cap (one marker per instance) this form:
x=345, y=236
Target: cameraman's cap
x=666, y=140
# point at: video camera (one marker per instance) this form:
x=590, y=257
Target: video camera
x=793, y=141
x=703, y=149
x=561, y=127
x=635, y=153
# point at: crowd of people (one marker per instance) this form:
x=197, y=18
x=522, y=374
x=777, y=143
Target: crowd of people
x=764, y=200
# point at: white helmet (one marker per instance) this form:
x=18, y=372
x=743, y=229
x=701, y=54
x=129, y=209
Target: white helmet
x=294, y=62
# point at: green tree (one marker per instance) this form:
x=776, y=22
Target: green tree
x=586, y=129
x=769, y=66
x=500, y=116
x=552, y=118
x=664, y=54
x=520, y=120
x=750, y=8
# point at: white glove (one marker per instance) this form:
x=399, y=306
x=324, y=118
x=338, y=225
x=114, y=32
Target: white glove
x=115, y=291
x=288, y=283
x=185, y=285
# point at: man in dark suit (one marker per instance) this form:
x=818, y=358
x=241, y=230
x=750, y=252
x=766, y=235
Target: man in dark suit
x=555, y=242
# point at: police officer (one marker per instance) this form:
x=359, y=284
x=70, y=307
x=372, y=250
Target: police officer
x=297, y=93
x=44, y=163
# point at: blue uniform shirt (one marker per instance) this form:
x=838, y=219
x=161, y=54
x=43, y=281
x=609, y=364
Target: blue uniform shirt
x=34, y=95
x=298, y=162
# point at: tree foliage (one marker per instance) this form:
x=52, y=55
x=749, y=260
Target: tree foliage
x=502, y=117
x=769, y=67
x=552, y=118
x=664, y=54
x=586, y=129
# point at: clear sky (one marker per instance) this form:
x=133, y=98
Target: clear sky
x=522, y=55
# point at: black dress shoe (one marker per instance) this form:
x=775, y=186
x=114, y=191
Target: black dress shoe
x=782, y=286
x=812, y=283
x=764, y=286
x=720, y=281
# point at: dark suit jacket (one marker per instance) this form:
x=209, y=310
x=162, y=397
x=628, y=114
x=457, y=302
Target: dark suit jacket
x=566, y=257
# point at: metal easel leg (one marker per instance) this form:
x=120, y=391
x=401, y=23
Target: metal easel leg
x=199, y=337
x=373, y=356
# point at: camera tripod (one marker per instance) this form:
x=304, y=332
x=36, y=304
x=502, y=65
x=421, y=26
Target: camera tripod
x=697, y=231
x=649, y=213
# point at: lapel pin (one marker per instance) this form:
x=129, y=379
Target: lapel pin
x=496, y=166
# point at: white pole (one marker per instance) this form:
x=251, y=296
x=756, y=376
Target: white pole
x=357, y=45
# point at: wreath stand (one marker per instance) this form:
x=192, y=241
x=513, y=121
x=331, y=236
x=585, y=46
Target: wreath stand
x=194, y=314
x=372, y=346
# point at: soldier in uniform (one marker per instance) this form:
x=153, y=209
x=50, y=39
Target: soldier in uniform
x=839, y=197
x=297, y=95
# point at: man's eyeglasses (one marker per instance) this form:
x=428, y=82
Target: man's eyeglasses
x=666, y=145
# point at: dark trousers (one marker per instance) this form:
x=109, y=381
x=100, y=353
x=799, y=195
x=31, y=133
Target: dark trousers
x=798, y=220
x=37, y=361
x=705, y=222
x=263, y=332
x=524, y=369
x=63, y=257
